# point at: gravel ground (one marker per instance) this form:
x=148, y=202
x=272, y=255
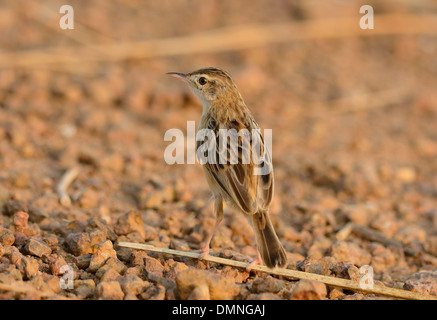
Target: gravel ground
x=354, y=150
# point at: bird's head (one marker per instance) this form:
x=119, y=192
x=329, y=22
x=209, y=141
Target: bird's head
x=211, y=85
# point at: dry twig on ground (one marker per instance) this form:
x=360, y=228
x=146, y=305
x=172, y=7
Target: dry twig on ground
x=65, y=182
x=291, y=274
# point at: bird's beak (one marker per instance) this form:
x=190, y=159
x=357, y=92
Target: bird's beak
x=178, y=75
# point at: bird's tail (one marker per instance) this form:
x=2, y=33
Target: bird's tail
x=270, y=248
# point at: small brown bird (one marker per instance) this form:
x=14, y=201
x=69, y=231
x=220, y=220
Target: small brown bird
x=232, y=177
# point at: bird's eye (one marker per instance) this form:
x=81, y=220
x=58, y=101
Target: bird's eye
x=202, y=81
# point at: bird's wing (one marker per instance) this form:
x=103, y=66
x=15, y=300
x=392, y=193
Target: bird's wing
x=235, y=165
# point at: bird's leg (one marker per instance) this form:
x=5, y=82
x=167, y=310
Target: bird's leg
x=218, y=210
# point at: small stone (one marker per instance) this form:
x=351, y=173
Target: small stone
x=29, y=267
x=354, y=273
x=383, y=258
x=83, y=262
x=124, y=254
x=84, y=291
x=11, y=272
x=170, y=294
x=180, y=245
x=239, y=276
x=152, y=218
x=36, y=214
x=135, y=237
x=326, y=263
x=318, y=266
x=79, y=243
x=20, y=221
x=109, y=290
x=57, y=264
x=130, y=296
x=319, y=247
x=104, y=251
x=84, y=242
x=6, y=236
x=345, y=270
x=336, y=293
x=84, y=288
x=52, y=282
x=236, y=255
x=137, y=270
x=15, y=258
x=37, y=248
x=349, y=252
x=268, y=284
x=9, y=249
x=137, y=258
x=74, y=226
x=309, y=290
x=151, y=233
x=220, y=288
x=130, y=222
x=20, y=240
x=424, y=282
x=109, y=275
x=39, y=283
x=153, y=268
x=99, y=223
x=175, y=268
x=85, y=283
x=200, y=293
x=51, y=241
x=153, y=292
x=294, y=259
x=310, y=264
x=132, y=284
x=111, y=263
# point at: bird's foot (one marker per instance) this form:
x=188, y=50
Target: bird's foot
x=255, y=262
x=203, y=252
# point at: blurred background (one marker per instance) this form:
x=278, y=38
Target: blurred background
x=353, y=112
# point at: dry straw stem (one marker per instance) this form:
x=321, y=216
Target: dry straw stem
x=67, y=178
x=373, y=235
x=225, y=40
x=331, y=281
x=366, y=233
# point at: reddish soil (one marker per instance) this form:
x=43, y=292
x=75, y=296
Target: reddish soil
x=354, y=141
